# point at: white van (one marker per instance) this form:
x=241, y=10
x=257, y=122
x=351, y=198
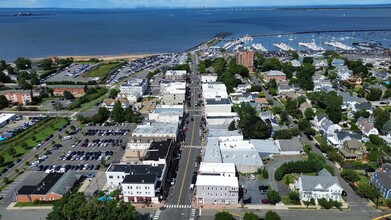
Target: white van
x=191, y=187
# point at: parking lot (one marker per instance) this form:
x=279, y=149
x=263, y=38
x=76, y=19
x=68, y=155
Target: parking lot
x=251, y=189
x=55, y=104
x=72, y=73
x=85, y=149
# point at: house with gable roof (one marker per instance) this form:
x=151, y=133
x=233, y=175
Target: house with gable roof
x=324, y=185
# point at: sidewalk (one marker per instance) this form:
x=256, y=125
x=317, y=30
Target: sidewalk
x=13, y=208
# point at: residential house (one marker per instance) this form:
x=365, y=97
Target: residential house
x=355, y=80
x=320, y=63
x=237, y=98
x=274, y=74
x=295, y=63
x=353, y=150
x=324, y=185
x=343, y=72
x=337, y=62
x=267, y=115
x=260, y=103
x=338, y=138
x=382, y=180
x=318, y=119
x=284, y=88
x=327, y=127
x=243, y=88
x=18, y=96
x=304, y=106
x=363, y=106
x=366, y=127
x=109, y=103
x=349, y=100
x=381, y=75
x=208, y=78
x=377, y=86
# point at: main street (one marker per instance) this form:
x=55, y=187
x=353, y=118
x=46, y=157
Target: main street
x=178, y=205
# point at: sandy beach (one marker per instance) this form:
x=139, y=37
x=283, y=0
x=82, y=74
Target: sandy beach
x=104, y=57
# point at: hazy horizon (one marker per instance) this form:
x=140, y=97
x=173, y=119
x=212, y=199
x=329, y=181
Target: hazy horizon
x=103, y=4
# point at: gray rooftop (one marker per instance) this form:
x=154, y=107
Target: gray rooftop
x=324, y=178
x=290, y=145
x=217, y=101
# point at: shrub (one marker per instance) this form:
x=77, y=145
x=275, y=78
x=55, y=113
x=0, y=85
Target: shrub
x=294, y=196
x=273, y=197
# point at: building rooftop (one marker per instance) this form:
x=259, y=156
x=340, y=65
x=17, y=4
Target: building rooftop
x=274, y=73
x=157, y=128
x=175, y=72
x=208, y=180
x=158, y=150
x=65, y=86
x=135, y=168
x=223, y=133
x=135, y=82
x=264, y=147
x=43, y=187
x=216, y=168
x=4, y=117
x=290, y=145
x=217, y=101
x=140, y=178
x=169, y=108
x=324, y=178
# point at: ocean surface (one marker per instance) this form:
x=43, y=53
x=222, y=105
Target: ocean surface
x=56, y=32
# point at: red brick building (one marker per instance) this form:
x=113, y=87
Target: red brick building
x=18, y=96
x=51, y=188
x=246, y=58
x=274, y=74
x=76, y=90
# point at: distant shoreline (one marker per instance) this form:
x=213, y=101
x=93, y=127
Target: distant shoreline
x=128, y=57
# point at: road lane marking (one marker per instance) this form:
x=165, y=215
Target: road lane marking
x=381, y=217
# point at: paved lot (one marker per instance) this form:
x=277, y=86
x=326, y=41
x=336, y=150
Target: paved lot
x=92, y=148
x=66, y=74
x=49, y=105
x=14, y=124
x=251, y=189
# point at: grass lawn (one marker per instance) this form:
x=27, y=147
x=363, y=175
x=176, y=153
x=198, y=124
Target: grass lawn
x=364, y=180
x=102, y=70
x=288, y=177
x=40, y=132
x=287, y=201
x=320, y=139
x=86, y=106
x=27, y=204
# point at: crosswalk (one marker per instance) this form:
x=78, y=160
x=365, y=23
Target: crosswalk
x=192, y=214
x=188, y=146
x=177, y=206
x=156, y=216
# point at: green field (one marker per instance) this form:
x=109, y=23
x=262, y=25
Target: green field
x=40, y=131
x=102, y=70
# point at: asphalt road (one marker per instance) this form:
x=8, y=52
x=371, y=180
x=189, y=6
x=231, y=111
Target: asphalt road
x=178, y=205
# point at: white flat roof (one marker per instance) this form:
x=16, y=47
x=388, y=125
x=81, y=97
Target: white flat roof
x=208, y=180
x=4, y=117
x=206, y=167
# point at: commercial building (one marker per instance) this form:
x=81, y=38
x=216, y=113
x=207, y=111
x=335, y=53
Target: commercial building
x=175, y=74
x=290, y=146
x=18, y=96
x=159, y=153
x=141, y=188
x=154, y=131
x=167, y=113
x=6, y=118
x=51, y=188
x=173, y=92
x=135, y=151
x=324, y=185
x=217, y=105
x=133, y=89
x=246, y=58
x=208, y=78
x=116, y=173
x=217, y=169
x=274, y=74
x=217, y=189
x=76, y=90
x=213, y=90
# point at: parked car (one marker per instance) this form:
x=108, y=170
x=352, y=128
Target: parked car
x=265, y=201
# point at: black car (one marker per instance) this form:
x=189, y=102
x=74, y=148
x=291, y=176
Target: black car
x=263, y=188
x=344, y=193
x=10, y=165
x=309, y=137
x=317, y=146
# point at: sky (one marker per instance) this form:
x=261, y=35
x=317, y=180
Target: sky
x=174, y=3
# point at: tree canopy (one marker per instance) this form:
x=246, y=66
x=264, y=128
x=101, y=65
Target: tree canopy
x=68, y=95
x=224, y=216
x=271, y=215
x=250, y=216
x=3, y=102
x=22, y=63
x=374, y=94
x=252, y=126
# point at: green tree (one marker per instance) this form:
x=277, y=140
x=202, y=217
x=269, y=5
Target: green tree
x=117, y=114
x=333, y=104
x=22, y=63
x=306, y=127
x=3, y=102
x=271, y=215
x=381, y=117
x=272, y=84
x=386, y=129
x=232, y=126
x=113, y=93
x=1, y=159
x=11, y=151
x=309, y=60
x=46, y=64
x=387, y=94
x=374, y=94
x=224, y=216
x=24, y=84
x=326, y=204
x=265, y=174
x=273, y=196
x=294, y=54
x=294, y=196
x=68, y=95
x=271, y=64
x=6, y=180
x=309, y=114
x=304, y=76
x=201, y=67
x=350, y=175
x=361, y=113
x=34, y=79
x=367, y=191
x=250, y=216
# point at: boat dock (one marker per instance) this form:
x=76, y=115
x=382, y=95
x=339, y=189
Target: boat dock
x=259, y=47
x=283, y=47
x=339, y=45
x=311, y=46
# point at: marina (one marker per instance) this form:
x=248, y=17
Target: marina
x=311, y=46
x=339, y=45
x=283, y=47
x=259, y=47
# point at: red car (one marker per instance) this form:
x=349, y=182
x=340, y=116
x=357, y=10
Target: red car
x=265, y=201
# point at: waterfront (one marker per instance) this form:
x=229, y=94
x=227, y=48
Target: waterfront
x=135, y=31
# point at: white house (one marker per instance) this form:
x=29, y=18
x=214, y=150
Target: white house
x=295, y=63
x=320, y=63
x=324, y=185
x=109, y=103
x=318, y=119
x=242, y=88
x=366, y=127
x=343, y=72
x=140, y=188
x=208, y=78
x=328, y=127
